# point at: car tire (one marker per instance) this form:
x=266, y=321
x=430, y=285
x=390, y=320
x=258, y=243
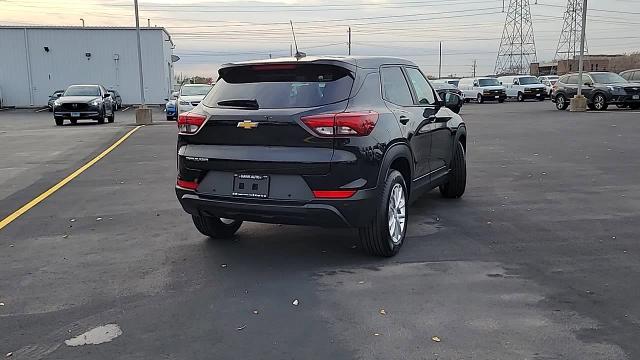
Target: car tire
x=455, y=186
x=520, y=97
x=480, y=99
x=111, y=118
x=214, y=227
x=500, y=101
x=599, y=102
x=634, y=106
x=561, y=102
x=541, y=98
x=376, y=237
x=102, y=115
x=59, y=121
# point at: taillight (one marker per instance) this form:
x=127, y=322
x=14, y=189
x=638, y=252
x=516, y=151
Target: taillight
x=190, y=185
x=267, y=67
x=189, y=123
x=342, y=124
x=333, y=194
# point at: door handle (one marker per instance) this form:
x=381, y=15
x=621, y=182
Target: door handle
x=404, y=120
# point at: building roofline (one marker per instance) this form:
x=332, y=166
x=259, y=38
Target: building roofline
x=46, y=27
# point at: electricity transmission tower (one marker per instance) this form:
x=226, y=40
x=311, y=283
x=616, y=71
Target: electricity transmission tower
x=518, y=46
x=569, y=42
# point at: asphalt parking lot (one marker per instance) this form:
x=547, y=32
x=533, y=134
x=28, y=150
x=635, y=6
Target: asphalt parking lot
x=539, y=260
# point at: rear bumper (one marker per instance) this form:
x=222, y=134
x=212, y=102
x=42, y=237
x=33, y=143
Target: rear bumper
x=353, y=212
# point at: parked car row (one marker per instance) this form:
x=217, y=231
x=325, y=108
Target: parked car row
x=600, y=88
x=189, y=96
x=548, y=81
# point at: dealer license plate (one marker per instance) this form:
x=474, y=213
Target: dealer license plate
x=253, y=186
x=75, y=114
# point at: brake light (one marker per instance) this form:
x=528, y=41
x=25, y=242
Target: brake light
x=342, y=124
x=189, y=123
x=267, y=67
x=190, y=185
x=333, y=194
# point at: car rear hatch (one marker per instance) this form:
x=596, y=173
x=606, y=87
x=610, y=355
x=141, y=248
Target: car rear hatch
x=253, y=119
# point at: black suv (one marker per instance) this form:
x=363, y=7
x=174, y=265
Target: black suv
x=330, y=141
x=600, y=88
x=84, y=102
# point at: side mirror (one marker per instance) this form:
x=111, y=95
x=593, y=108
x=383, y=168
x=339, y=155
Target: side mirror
x=165, y=99
x=58, y=95
x=107, y=95
x=588, y=83
x=452, y=101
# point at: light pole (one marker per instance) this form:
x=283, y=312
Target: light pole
x=143, y=114
x=440, y=62
x=81, y=19
x=579, y=102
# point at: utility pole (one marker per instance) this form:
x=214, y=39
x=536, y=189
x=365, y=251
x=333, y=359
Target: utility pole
x=440, y=62
x=475, y=65
x=349, y=40
x=579, y=102
x=143, y=114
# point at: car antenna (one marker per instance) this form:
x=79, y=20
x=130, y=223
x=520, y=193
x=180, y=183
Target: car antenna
x=299, y=55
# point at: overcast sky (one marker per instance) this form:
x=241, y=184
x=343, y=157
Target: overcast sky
x=208, y=33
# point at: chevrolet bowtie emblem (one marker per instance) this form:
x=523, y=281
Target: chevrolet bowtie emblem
x=248, y=124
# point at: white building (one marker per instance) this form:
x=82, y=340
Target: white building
x=37, y=60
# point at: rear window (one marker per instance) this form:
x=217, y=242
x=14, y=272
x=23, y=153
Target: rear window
x=276, y=86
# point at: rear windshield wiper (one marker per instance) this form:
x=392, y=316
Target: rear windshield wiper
x=241, y=103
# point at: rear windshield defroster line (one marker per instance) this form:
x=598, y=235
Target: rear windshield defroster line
x=277, y=86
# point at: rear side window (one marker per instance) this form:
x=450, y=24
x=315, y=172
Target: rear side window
x=573, y=80
x=276, y=86
x=424, y=92
x=636, y=76
x=394, y=86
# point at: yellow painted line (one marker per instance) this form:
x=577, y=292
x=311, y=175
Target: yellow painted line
x=26, y=207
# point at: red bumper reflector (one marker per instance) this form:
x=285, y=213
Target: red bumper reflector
x=191, y=185
x=333, y=194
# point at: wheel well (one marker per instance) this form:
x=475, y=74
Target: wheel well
x=401, y=164
x=463, y=141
